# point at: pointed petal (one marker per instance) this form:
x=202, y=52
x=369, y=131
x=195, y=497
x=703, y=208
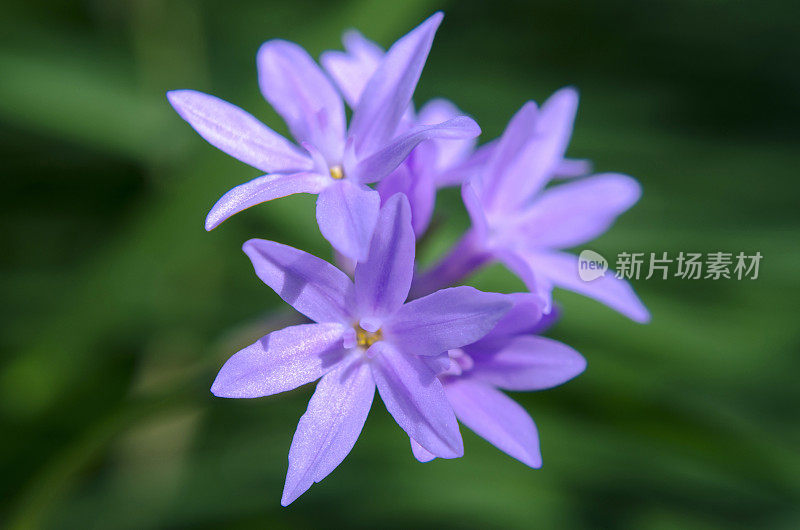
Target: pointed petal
x=540, y=150
x=505, y=151
x=386, y=159
x=420, y=453
x=543, y=156
x=557, y=118
x=445, y=154
x=418, y=187
x=383, y=280
x=346, y=214
x=562, y=270
x=281, y=361
x=497, y=418
x=536, y=283
x=262, y=189
x=330, y=427
x=388, y=93
x=415, y=398
x=352, y=69
x=237, y=133
x=579, y=211
x=303, y=95
x=473, y=167
x=529, y=363
x=309, y=284
x=477, y=213
x=446, y=319
x=522, y=319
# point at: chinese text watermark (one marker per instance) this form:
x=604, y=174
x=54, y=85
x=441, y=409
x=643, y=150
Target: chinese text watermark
x=662, y=265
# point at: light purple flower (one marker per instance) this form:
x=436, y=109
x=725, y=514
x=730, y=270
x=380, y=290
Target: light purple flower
x=507, y=358
x=434, y=163
x=336, y=163
x=363, y=336
x=519, y=222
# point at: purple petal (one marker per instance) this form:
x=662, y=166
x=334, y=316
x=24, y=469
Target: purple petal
x=385, y=160
x=523, y=267
x=352, y=69
x=522, y=319
x=473, y=167
x=445, y=320
x=388, y=93
x=281, y=361
x=571, y=214
x=237, y=133
x=496, y=418
x=303, y=95
x=436, y=111
x=572, y=167
x=343, y=263
x=445, y=154
x=544, y=154
x=263, y=189
x=438, y=363
x=311, y=285
x=505, y=151
x=416, y=400
x=330, y=427
x=539, y=151
x=547, y=321
x=466, y=256
x=346, y=214
x=557, y=118
x=420, y=453
x=383, y=280
x=418, y=187
x=475, y=209
x=562, y=270
x=529, y=363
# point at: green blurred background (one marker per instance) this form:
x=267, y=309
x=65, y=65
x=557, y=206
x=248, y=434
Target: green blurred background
x=118, y=309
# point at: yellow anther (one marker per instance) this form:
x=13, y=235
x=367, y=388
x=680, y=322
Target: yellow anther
x=365, y=339
x=337, y=173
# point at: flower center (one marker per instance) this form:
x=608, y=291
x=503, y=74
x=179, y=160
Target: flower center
x=365, y=338
x=337, y=173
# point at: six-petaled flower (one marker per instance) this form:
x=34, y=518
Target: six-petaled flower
x=363, y=336
x=334, y=162
x=519, y=222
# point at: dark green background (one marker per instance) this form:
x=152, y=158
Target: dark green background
x=118, y=309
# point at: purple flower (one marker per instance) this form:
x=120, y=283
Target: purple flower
x=508, y=358
x=434, y=163
x=363, y=336
x=518, y=222
x=335, y=163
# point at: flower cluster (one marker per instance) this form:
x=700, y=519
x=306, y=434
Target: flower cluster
x=437, y=354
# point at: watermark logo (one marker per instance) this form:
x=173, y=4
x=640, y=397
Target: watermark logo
x=663, y=265
x=591, y=265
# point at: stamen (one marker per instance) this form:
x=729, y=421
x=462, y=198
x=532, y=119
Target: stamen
x=365, y=339
x=337, y=173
